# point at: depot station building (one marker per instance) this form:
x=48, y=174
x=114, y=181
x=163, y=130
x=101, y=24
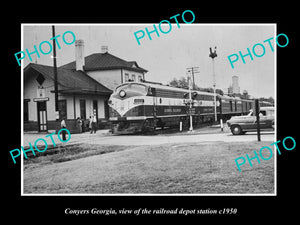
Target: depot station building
x=84, y=87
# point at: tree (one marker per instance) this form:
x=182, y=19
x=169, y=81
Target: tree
x=270, y=99
x=219, y=91
x=174, y=82
x=183, y=83
x=245, y=94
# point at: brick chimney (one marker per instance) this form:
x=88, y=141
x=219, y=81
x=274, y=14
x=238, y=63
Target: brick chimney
x=79, y=54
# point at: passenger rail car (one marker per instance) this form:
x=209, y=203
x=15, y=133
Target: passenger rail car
x=136, y=107
x=233, y=106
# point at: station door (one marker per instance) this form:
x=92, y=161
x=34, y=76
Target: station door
x=42, y=116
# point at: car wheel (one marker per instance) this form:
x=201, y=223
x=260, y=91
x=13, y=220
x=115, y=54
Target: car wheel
x=236, y=130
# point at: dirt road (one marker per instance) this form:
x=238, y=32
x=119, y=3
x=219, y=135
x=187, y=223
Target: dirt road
x=208, y=135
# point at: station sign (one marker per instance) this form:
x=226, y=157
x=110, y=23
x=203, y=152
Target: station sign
x=41, y=99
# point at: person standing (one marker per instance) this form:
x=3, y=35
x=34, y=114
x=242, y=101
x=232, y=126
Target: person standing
x=94, y=124
x=90, y=124
x=83, y=124
x=79, y=123
x=63, y=125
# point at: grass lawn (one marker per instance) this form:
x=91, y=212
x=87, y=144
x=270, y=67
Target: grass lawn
x=200, y=168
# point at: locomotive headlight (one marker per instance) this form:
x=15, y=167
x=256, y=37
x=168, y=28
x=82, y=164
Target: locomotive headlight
x=122, y=93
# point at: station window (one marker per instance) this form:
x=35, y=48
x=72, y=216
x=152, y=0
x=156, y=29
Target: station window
x=126, y=77
x=133, y=77
x=106, y=109
x=82, y=108
x=95, y=108
x=62, y=108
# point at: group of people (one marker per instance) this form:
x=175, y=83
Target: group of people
x=87, y=125
x=83, y=125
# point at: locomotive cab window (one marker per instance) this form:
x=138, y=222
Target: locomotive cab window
x=151, y=91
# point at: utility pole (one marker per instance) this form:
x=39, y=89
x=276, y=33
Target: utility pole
x=190, y=104
x=193, y=70
x=55, y=73
x=214, y=55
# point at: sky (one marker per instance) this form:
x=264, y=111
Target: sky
x=169, y=55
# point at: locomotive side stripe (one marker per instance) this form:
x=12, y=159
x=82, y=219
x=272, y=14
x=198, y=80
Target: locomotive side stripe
x=123, y=106
x=152, y=117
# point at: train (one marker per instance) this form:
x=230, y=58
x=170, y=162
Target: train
x=144, y=106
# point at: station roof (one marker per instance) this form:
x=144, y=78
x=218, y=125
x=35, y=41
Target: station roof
x=105, y=61
x=70, y=80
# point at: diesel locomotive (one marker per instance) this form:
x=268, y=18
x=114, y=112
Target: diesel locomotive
x=143, y=106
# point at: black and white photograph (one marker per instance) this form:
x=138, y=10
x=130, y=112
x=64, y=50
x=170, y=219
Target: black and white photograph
x=127, y=112
x=165, y=114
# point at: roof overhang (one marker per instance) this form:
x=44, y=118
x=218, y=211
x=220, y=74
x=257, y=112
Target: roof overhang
x=83, y=91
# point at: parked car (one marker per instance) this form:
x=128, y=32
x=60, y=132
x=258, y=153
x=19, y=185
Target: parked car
x=241, y=124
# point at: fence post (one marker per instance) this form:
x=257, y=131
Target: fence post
x=257, y=118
